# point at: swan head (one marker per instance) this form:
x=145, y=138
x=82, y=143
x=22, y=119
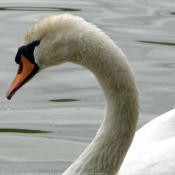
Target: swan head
x=51, y=41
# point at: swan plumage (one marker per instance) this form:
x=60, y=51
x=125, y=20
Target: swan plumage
x=152, y=150
x=58, y=39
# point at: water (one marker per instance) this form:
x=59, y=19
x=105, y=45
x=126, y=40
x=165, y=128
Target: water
x=54, y=117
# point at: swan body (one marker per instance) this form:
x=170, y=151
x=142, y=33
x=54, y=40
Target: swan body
x=153, y=148
x=58, y=39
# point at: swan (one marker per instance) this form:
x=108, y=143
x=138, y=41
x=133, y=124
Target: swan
x=64, y=38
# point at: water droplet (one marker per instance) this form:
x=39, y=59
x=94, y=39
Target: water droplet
x=8, y=107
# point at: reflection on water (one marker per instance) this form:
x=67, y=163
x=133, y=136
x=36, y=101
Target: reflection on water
x=145, y=32
x=64, y=100
x=38, y=9
x=161, y=43
x=29, y=131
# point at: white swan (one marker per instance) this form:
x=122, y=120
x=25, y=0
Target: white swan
x=58, y=39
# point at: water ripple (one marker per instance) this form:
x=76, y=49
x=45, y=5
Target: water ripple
x=37, y=9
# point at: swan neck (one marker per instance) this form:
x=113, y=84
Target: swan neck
x=106, y=152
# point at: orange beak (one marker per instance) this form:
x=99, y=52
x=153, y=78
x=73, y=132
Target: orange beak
x=25, y=72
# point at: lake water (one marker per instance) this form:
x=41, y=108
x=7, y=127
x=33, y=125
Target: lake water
x=38, y=135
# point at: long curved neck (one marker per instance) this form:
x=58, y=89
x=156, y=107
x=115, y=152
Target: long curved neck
x=106, y=152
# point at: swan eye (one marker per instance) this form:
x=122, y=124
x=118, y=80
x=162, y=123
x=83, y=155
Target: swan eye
x=36, y=43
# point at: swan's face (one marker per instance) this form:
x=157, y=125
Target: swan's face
x=50, y=41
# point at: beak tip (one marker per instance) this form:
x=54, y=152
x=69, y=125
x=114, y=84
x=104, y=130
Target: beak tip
x=9, y=95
